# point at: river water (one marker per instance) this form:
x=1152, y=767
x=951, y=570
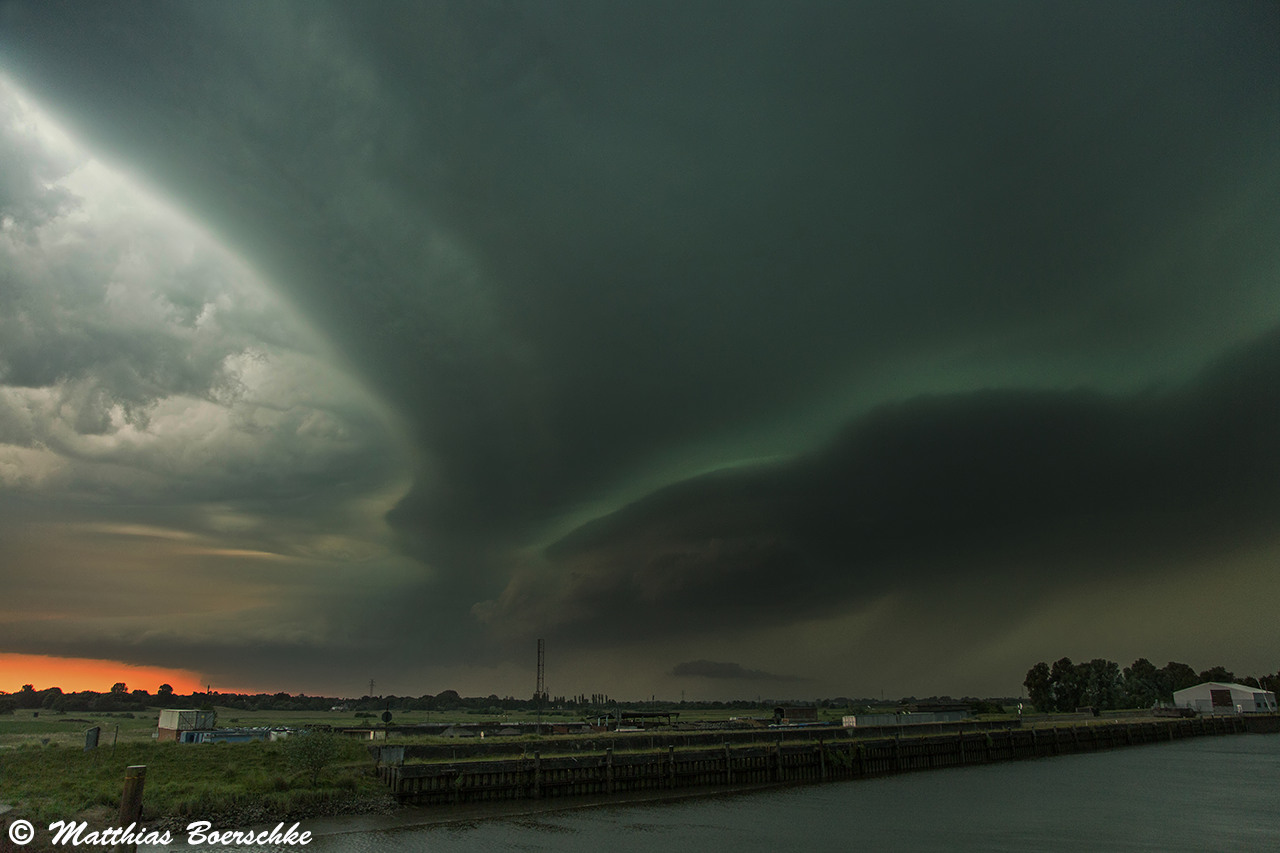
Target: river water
x=1210, y=793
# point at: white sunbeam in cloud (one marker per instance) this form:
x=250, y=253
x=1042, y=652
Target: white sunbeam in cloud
x=142, y=360
x=196, y=453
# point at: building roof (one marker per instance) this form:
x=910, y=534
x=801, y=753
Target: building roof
x=1220, y=685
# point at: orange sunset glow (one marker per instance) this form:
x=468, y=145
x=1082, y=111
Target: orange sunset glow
x=74, y=675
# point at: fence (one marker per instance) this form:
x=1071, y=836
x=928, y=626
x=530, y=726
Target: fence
x=659, y=740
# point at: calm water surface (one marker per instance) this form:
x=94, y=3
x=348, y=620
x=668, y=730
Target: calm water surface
x=1212, y=793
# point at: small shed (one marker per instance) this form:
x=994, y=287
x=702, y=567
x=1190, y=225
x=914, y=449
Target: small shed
x=1214, y=697
x=795, y=714
x=174, y=721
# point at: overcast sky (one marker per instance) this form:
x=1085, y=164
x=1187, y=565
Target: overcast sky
x=737, y=349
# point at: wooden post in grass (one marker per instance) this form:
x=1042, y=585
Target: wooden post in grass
x=135, y=776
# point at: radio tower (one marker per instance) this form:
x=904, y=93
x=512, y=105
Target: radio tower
x=542, y=662
x=541, y=690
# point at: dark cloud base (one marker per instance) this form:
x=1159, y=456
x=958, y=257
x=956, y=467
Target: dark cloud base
x=725, y=671
x=976, y=486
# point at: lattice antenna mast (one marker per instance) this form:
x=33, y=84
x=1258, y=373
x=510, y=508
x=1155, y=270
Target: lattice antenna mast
x=542, y=686
x=542, y=664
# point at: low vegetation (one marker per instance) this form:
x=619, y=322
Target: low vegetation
x=312, y=752
x=251, y=781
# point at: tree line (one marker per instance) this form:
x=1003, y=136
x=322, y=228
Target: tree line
x=120, y=699
x=1101, y=684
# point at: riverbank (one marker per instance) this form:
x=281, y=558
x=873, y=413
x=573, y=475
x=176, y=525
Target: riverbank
x=1187, y=795
x=833, y=756
x=466, y=816
x=193, y=783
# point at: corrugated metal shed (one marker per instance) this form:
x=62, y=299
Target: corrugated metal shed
x=1214, y=697
x=176, y=720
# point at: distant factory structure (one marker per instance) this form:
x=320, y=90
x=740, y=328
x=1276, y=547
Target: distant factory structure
x=1215, y=697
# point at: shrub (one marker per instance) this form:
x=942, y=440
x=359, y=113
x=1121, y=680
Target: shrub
x=311, y=752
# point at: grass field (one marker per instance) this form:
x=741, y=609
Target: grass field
x=45, y=772
x=52, y=782
x=47, y=775
x=37, y=727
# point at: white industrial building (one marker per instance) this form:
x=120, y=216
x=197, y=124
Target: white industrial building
x=1214, y=697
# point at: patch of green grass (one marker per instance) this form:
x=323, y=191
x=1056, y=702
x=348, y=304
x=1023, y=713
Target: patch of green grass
x=51, y=783
x=27, y=727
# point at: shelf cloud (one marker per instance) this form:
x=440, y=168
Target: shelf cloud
x=886, y=345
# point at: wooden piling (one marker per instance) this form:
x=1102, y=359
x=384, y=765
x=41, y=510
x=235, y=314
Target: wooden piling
x=135, y=778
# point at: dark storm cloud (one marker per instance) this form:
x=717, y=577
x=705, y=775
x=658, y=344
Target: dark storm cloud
x=663, y=222
x=582, y=251
x=724, y=670
x=1046, y=486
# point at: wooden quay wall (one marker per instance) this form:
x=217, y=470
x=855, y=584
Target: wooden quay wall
x=777, y=764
